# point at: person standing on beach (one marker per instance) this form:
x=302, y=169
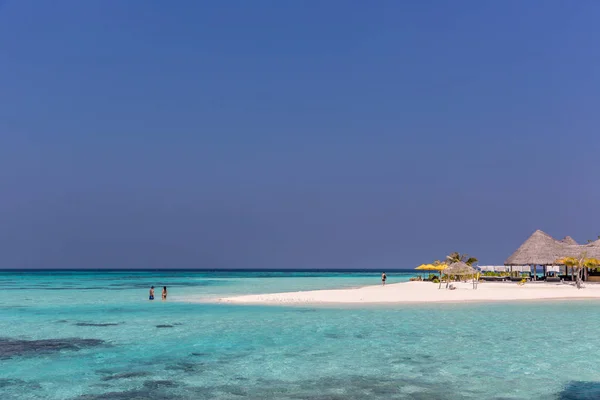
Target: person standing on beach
x=164, y=293
x=383, y=278
x=151, y=297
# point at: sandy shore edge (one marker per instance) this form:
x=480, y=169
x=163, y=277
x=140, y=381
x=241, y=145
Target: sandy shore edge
x=421, y=292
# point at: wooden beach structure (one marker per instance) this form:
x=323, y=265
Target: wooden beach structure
x=460, y=269
x=541, y=249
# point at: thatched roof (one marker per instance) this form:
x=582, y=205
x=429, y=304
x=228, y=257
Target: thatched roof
x=590, y=249
x=543, y=249
x=596, y=243
x=459, y=268
x=569, y=240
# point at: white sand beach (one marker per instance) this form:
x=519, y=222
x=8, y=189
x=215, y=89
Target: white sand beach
x=424, y=292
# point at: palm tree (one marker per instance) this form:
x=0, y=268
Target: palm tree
x=578, y=264
x=456, y=257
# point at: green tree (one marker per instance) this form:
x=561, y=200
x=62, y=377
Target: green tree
x=456, y=257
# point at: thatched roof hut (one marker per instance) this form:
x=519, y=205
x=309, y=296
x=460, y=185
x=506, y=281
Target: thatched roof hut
x=539, y=249
x=543, y=249
x=459, y=268
x=595, y=243
x=591, y=250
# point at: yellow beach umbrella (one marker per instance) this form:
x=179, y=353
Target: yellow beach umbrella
x=432, y=267
x=440, y=267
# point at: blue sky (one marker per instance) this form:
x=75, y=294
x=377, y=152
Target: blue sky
x=294, y=134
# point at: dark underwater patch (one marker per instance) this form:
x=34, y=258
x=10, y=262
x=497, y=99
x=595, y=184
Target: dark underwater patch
x=357, y=387
x=96, y=324
x=365, y=387
x=7, y=385
x=4, y=382
x=160, y=384
x=8, y=382
x=236, y=390
x=326, y=388
x=233, y=357
x=127, y=395
x=580, y=391
x=164, y=326
x=321, y=354
x=416, y=359
x=16, y=347
x=187, y=367
x=153, y=392
x=126, y=375
x=325, y=397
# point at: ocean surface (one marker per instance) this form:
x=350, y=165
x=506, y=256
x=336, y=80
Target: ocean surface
x=95, y=335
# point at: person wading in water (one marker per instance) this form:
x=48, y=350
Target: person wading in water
x=383, y=278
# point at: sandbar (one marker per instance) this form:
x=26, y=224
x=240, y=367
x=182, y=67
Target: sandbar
x=424, y=292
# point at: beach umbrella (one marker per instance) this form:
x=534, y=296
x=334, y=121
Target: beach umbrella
x=432, y=267
x=457, y=268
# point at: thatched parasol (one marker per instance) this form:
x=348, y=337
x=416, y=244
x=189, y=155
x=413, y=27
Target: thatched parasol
x=460, y=268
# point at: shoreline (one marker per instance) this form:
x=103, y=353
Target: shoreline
x=405, y=293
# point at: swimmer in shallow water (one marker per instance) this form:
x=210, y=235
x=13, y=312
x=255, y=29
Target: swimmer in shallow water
x=164, y=293
x=151, y=297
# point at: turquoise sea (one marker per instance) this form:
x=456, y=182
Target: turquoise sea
x=95, y=335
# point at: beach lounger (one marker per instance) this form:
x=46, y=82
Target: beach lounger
x=492, y=278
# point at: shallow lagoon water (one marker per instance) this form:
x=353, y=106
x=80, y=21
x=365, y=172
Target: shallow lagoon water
x=94, y=335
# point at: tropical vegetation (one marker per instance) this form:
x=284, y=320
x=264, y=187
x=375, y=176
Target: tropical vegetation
x=440, y=266
x=578, y=264
x=457, y=257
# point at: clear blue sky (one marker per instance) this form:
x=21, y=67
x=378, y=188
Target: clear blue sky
x=294, y=134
